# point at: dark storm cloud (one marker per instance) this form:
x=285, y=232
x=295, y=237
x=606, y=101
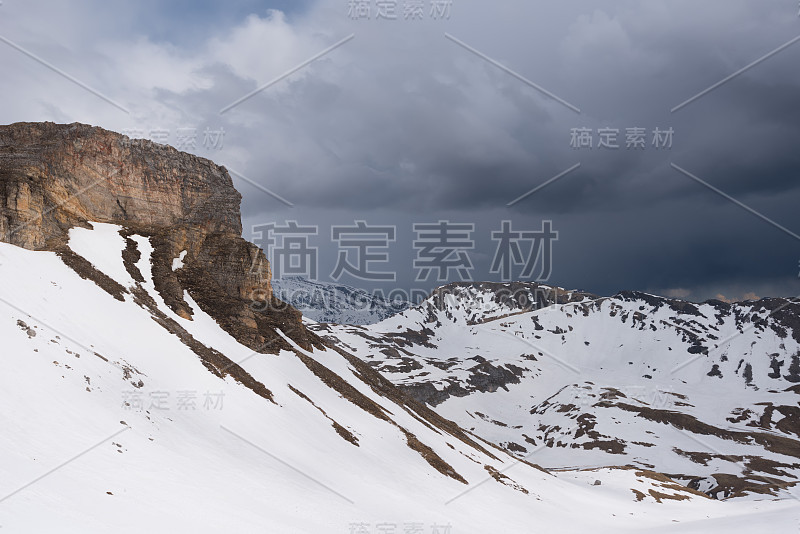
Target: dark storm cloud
x=469, y=137
x=402, y=122
x=453, y=131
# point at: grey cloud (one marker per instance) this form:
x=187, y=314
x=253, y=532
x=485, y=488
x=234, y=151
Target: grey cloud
x=403, y=123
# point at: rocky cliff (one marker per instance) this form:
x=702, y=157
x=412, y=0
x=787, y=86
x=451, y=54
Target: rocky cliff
x=54, y=177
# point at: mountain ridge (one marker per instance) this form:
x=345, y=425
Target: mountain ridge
x=600, y=376
x=327, y=302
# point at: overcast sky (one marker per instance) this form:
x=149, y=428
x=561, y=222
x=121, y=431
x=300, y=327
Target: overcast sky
x=453, y=115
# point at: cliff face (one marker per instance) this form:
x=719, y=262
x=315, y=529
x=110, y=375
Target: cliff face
x=54, y=177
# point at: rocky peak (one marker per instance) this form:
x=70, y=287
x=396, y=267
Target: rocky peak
x=54, y=177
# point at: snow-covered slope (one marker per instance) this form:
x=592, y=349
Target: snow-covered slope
x=335, y=303
x=707, y=393
x=121, y=416
x=151, y=381
x=113, y=422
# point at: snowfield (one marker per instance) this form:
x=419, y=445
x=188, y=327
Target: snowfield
x=111, y=423
x=705, y=393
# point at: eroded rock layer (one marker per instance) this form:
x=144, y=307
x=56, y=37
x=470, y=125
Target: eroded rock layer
x=54, y=177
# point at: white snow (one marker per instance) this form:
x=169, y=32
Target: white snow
x=177, y=263
x=568, y=360
x=75, y=457
x=93, y=245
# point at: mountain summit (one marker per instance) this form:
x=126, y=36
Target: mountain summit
x=55, y=177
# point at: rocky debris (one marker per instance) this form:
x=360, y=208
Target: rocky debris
x=484, y=377
x=27, y=329
x=503, y=479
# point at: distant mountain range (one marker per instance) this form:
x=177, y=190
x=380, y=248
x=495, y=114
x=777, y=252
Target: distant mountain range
x=706, y=393
x=335, y=303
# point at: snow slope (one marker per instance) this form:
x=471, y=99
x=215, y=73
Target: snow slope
x=707, y=394
x=112, y=423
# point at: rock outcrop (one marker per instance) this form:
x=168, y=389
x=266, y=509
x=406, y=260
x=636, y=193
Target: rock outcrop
x=54, y=177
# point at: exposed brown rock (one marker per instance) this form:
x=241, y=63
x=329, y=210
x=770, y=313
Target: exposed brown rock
x=54, y=177
x=433, y=459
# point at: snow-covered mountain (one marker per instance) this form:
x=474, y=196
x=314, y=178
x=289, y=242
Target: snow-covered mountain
x=120, y=415
x=706, y=393
x=326, y=302
x=145, y=388
x=190, y=430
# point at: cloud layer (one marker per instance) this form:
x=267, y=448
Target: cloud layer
x=402, y=124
